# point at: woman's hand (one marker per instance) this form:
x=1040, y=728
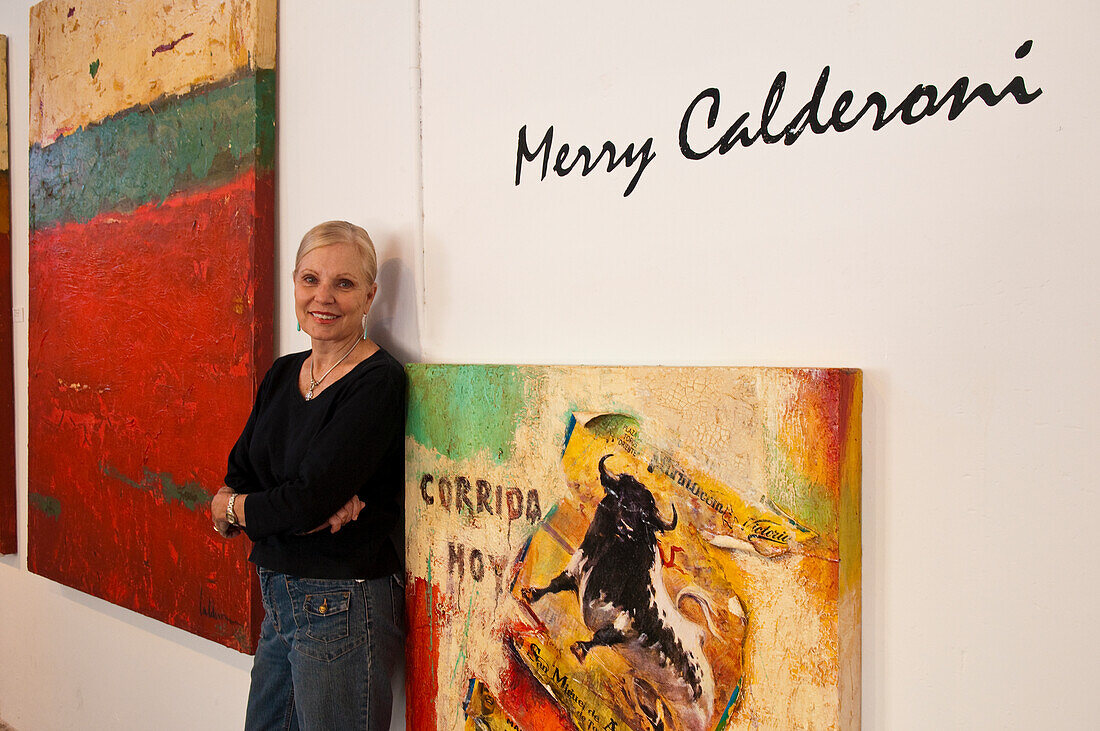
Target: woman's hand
x=217, y=512
x=342, y=517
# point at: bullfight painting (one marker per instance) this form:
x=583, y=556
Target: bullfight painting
x=633, y=548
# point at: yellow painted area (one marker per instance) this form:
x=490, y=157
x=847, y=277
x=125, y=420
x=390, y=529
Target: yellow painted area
x=483, y=713
x=560, y=674
x=851, y=570
x=758, y=462
x=851, y=493
x=4, y=162
x=94, y=58
x=692, y=565
x=717, y=507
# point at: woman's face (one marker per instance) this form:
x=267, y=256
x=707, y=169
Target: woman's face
x=330, y=293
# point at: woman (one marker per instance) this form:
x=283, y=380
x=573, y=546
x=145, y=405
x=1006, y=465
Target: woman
x=315, y=481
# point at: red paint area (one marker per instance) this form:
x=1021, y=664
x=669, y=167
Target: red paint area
x=149, y=332
x=8, y=535
x=815, y=415
x=528, y=703
x=669, y=562
x=521, y=696
x=425, y=628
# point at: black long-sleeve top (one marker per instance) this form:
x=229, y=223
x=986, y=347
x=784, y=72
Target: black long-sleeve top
x=300, y=461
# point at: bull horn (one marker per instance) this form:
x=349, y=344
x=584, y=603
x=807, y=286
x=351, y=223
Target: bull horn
x=604, y=473
x=670, y=525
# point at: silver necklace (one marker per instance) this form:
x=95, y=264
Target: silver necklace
x=314, y=383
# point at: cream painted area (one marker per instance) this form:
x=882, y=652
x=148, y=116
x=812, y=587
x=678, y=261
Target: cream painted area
x=953, y=261
x=3, y=104
x=197, y=44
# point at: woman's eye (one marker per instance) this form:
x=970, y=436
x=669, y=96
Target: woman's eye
x=309, y=279
x=346, y=284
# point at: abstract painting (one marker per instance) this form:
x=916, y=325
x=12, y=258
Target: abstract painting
x=151, y=256
x=7, y=371
x=633, y=548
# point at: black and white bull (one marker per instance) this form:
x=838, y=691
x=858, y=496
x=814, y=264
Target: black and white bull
x=616, y=574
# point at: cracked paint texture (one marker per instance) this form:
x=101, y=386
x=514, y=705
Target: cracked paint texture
x=119, y=38
x=761, y=466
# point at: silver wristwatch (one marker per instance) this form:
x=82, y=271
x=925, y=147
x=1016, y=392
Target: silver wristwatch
x=229, y=514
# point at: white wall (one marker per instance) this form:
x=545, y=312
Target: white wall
x=953, y=261
x=347, y=148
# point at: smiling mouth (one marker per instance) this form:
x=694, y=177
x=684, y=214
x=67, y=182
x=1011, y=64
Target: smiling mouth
x=324, y=316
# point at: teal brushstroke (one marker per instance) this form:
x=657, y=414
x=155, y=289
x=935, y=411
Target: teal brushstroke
x=191, y=495
x=429, y=601
x=93, y=68
x=465, y=638
x=461, y=411
x=724, y=721
x=143, y=155
x=47, y=504
x=264, y=90
x=568, y=432
x=462, y=656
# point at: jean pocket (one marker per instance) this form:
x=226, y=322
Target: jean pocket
x=327, y=615
x=326, y=633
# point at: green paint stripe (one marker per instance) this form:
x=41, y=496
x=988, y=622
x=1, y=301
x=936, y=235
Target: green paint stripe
x=462, y=410
x=47, y=504
x=191, y=495
x=806, y=502
x=145, y=154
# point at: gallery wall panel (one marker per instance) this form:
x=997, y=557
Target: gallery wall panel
x=953, y=260
x=151, y=256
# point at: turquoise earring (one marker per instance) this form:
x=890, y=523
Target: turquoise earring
x=299, y=327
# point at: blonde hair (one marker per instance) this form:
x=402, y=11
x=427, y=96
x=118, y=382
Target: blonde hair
x=341, y=232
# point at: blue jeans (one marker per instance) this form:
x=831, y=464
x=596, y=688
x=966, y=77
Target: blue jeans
x=326, y=653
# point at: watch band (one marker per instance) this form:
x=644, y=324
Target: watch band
x=230, y=515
